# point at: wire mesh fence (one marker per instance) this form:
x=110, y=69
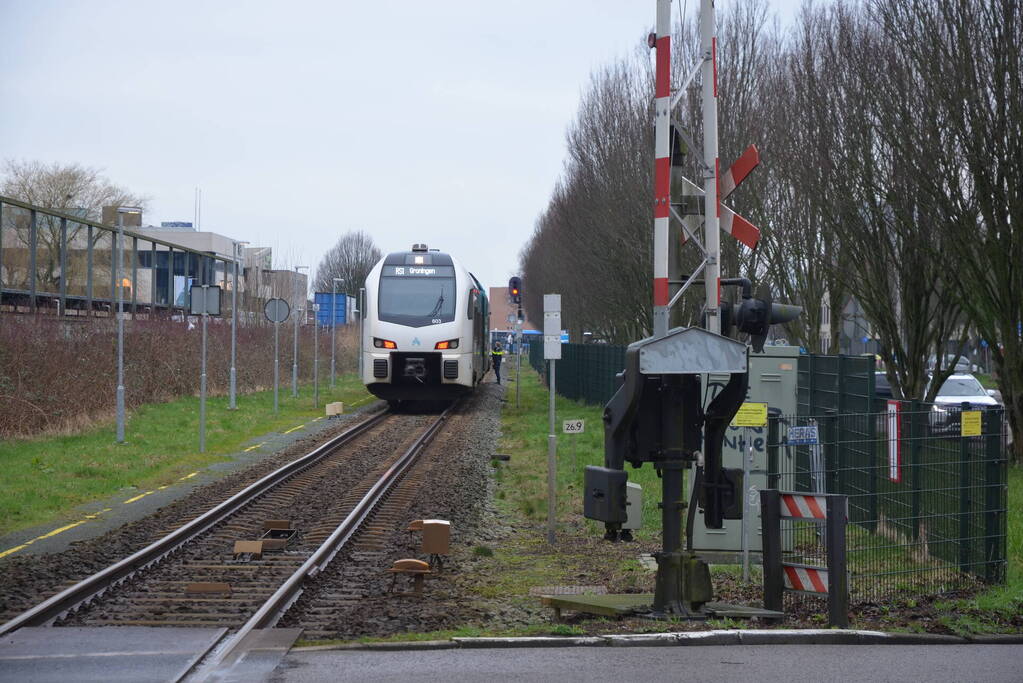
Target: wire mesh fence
x=586, y=372
x=927, y=505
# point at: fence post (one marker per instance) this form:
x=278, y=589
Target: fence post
x=831, y=462
x=994, y=486
x=770, y=526
x=773, y=430
x=838, y=579
x=964, y=495
x=916, y=435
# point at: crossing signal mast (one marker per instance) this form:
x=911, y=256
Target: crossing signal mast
x=657, y=415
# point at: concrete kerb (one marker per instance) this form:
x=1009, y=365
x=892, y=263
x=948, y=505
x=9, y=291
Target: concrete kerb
x=689, y=638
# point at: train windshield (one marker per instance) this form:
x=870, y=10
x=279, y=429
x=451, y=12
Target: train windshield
x=416, y=300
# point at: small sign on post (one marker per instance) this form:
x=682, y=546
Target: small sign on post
x=204, y=300
x=551, y=353
x=276, y=311
x=751, y=415
x=970, y=423
x=573, y=427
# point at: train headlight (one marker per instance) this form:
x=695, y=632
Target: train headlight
x=384, y=343
x=445, y=345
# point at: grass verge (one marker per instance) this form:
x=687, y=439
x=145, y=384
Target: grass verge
x=45, y=478
x=526, y=560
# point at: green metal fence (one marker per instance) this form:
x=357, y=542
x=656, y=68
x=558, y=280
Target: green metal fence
x=586, y=372
x=928, y=505
x=841, y=383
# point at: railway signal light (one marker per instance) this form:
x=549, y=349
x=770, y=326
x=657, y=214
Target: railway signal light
x=515, y=289
x=755, y=316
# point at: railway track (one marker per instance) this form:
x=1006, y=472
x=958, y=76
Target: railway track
x=328, y=497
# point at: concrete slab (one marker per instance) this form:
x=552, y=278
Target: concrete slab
x=254, y=659
x=105, y=655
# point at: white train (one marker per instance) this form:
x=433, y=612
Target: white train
x=425, y=331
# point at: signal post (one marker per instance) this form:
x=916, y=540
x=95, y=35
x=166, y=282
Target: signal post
x=658, y=416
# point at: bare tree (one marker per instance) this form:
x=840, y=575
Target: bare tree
x=966, y=56
x=69, y=188
x=350, y=259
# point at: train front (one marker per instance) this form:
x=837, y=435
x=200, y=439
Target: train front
x=418, y=336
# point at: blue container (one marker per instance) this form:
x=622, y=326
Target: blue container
x=340, y=306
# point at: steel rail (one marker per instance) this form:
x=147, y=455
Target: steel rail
x=285, y=596
x=91, y=587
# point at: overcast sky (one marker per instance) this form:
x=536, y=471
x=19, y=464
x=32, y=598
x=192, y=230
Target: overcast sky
x=439, y=122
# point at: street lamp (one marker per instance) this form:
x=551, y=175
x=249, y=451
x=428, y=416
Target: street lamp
x=333, y=325
x=121, y=210
x=294, y=364
x=234, y=326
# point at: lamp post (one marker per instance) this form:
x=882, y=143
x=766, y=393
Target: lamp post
x=232, y=405
x=316, y=355
x=121, y=210
x=294, y=360
x=333, y=325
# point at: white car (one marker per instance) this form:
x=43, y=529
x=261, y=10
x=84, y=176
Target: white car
x=958, y=389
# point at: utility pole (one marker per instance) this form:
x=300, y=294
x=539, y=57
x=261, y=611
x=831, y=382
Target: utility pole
x=202, y=372
x=121, y=210
x=232, y=404
x=711, y=164
x=298, y=311
x=316, y=356
x=333, y=325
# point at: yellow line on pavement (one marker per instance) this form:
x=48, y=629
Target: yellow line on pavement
x=141, y=495
x=293, y=429
x=48, y=534
x=15, y=549
x=252, y=448
x=188, y=476
x=60, y=530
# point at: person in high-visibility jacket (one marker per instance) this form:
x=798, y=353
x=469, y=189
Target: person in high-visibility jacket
x=496, y=356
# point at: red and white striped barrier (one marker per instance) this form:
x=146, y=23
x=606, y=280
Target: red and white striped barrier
x=806, y=579
x=830, y=581
x=803, y=506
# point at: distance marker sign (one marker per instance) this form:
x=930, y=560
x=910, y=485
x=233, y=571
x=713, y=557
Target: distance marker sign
x=751, y=415
x=573, y=426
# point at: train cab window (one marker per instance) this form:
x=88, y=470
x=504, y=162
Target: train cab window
x=425, y=296
x=473, y=303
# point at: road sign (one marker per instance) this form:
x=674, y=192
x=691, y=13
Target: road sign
x=552, y=326
x=204, y=299
x=277, y=310
x=573, y=426
x=751, y=414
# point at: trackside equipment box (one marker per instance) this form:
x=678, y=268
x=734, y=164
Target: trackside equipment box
x=773, y=379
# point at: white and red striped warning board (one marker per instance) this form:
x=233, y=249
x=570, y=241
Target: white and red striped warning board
x=803, y=506
x=805, y=578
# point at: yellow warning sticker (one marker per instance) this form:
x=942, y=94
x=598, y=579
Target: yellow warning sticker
x=751, y=415
x=971, y=423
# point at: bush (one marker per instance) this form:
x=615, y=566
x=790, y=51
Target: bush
x=60, y=375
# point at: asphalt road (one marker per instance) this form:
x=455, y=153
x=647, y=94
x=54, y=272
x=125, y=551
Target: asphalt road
x=752, y=663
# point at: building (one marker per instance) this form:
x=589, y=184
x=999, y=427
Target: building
x=64, y=263
x=503, y=313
